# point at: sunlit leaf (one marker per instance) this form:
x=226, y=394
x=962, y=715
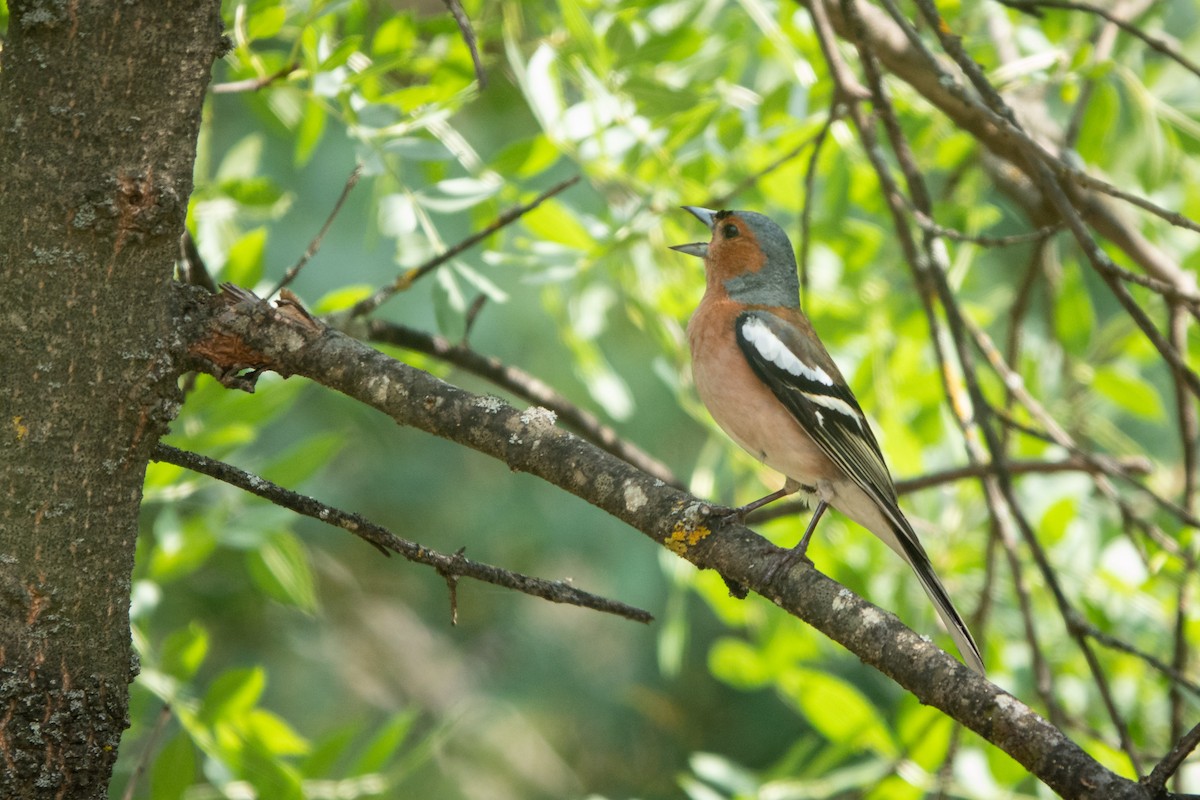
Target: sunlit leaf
x=281, y=569
x=385, y=744
x=183, y=651
x=244, y=266
x=174, y=768
x=233, y=693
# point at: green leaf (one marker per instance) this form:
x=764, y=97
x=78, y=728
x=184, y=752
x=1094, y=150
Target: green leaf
x=304, y=458
x=281, y=569
x=1056, y=519
x=254, y=191
x=181, y=546
x=274, y=735
x=343, y=298
x=480, y=282
x=232, y=694
x=737, y=663
x=309, y=132
x=385, y=745
x=242, y=159
x=449, y=304
x=244, y=265
x=328, y=751
x=1129, y=392
x=542, y=88
x=174, y=769
x=270, y=775
x=839, y=711
x=457, y=194
x=526, y=158
x=553, y=222
x=183, y=651
x=266, y=23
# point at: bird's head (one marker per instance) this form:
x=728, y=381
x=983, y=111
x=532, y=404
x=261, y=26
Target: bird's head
x=749, y=256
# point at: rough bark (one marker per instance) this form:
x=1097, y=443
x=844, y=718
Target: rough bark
x=99, y=112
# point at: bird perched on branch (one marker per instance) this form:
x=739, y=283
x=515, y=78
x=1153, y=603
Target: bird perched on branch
x=770, y=384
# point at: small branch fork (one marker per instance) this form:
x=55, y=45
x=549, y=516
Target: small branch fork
x=450, y=567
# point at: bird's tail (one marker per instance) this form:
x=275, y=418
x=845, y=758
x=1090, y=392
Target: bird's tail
x=917, y=558
x=904, y=541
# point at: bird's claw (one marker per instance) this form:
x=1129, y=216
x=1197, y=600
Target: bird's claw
x=783, y=566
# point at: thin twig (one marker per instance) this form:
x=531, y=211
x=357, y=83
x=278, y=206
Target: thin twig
x=722, y=201
x=810, y=182
x=1134, y=465
x=315, y=244
x=1176, y=677
x=1174, y=760
x=255, y=84
x=928, y=225
x=933, y=258
x=1153, y=42
x=408, y=278
x=160, y=722
x=468, y=34
x=384, y=540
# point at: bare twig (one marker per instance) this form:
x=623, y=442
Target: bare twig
x=385, y=541
x=810, y=182
x=1177, y=677
x=900, y=49
x=315, y=244
x=1153, y=42
x=468, y=34
x=160, y=722
x=1134, y=465
x=1183, y=748
x=929, y=225
x=406, y=280
x=722, y=201
x=999, y=490
x=255, y=84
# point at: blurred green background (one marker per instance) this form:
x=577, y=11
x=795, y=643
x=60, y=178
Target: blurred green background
x=297, y=662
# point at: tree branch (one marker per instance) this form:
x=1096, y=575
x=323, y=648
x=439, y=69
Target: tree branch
x=907, y=59
x=450, y=567
x=529, y=441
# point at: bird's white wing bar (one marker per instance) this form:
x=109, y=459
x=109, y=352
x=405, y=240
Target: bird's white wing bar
x=813, y=382
x=769, y=346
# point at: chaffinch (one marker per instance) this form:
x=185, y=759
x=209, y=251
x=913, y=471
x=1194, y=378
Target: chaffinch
x=770, y=384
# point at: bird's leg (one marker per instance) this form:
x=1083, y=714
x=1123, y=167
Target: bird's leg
x=797, y=553
x=741, y=512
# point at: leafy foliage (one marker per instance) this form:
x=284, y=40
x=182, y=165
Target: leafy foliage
x=295, y=663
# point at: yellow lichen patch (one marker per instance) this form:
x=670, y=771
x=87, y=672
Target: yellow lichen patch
x=20, y=428
x=683, y=536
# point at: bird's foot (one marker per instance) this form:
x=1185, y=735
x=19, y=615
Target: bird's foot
x=784, y=565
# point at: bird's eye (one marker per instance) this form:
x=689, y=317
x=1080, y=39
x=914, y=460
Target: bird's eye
x=730, y=231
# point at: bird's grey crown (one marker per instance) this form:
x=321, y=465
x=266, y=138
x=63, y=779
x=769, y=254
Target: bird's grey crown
x=776, y=284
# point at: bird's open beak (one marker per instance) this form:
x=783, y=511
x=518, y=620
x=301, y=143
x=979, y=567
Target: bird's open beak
x=698, y=249
x=705, y=215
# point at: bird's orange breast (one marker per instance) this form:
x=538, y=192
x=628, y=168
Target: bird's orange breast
x=745, y=408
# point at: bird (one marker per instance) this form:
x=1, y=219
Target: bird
x=770, y=384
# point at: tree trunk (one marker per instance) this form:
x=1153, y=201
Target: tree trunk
x=99, y=110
